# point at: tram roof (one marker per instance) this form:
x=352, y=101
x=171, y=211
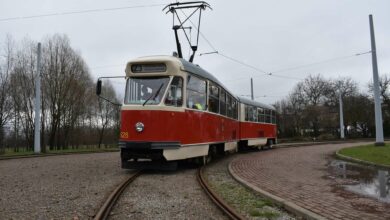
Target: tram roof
x=186, y=66
x=197, y=70
x=254, y=103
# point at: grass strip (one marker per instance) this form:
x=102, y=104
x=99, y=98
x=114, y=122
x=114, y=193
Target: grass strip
x=375, y=154
x=244, y=200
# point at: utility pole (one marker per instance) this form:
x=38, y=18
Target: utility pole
x=37, y=134
x=342, y=136
x=252, y=89
x=378, y=109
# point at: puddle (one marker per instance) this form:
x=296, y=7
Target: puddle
x=363, y=180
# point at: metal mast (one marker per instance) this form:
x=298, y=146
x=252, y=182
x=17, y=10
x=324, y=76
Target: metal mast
x=378, y=109
x=37, y=135
x=252, y=89
x=342, y=135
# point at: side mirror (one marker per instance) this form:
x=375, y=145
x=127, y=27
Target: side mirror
x=99, y=87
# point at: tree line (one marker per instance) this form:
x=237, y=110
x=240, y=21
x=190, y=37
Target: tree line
x=72, y=115
x=311, y=110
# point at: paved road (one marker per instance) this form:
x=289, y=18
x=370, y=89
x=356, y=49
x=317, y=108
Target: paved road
x=300, y=175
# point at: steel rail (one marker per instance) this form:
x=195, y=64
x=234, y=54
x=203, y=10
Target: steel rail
x=107, y=206
x=228, y=210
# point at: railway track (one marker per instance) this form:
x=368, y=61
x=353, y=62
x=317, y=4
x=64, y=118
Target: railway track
x=107, y=206
x=228, y=210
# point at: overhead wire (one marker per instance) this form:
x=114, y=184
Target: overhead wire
x=215, y=51
x=265, y=73
x=320, y=62
x=257, y=69
x=79, y=12
x=228, y=57
x=236, y=60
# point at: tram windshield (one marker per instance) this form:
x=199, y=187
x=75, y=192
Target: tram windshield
x=145, y=91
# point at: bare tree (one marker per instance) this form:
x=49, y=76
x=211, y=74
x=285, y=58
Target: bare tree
x=345, y=87
x=67, y=82
x=384, y=85
x=22, y=90
x=296, y=107
x=6, y=66
x=71, y=113
x=312, y=107
x=360, y=115
x=315, y=88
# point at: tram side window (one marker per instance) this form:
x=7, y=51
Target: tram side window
x=196, y=93
x=222, y=102
x=254, y=114
x=229, y=106
x=235, y=113
x=273, y=117
x=267, y=116
x=246, y=112
x=260, y=112
x=175, y=92
x=213, y=103
x=250, y=113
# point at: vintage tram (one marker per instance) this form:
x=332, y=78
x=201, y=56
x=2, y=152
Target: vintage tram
x=174, y=110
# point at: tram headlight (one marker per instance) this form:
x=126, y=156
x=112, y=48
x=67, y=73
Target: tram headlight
x=139, y=127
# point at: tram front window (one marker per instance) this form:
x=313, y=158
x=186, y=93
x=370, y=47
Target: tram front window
x=145, y=91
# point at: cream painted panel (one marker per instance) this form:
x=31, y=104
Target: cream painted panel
x=186, y=152
x=259, y=141
x=230, y=146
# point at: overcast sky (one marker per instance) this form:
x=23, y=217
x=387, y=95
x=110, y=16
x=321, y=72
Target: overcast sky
x=270, y=35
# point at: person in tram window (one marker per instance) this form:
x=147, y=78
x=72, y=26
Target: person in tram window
x=200, y=102
x=198, y=106
x=195, y=104
x=144, y=92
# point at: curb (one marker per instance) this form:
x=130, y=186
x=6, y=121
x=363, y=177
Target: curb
x=289, y=206
x=54, y=154
x=288, y=145
x=364, y=162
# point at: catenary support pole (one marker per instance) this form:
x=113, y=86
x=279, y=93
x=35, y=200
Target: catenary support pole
x=37, y=134
x=342, y=136
x=252, y=89
x=378, y=109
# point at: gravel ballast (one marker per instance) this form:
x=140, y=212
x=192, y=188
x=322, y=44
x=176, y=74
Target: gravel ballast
x=58, y=187
x=166, y=195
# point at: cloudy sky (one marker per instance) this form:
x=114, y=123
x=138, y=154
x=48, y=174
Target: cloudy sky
x=269, y=35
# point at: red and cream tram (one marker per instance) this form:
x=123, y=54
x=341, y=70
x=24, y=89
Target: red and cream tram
x=174, y=110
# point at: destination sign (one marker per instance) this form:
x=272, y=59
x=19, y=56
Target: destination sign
x=148, y=68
